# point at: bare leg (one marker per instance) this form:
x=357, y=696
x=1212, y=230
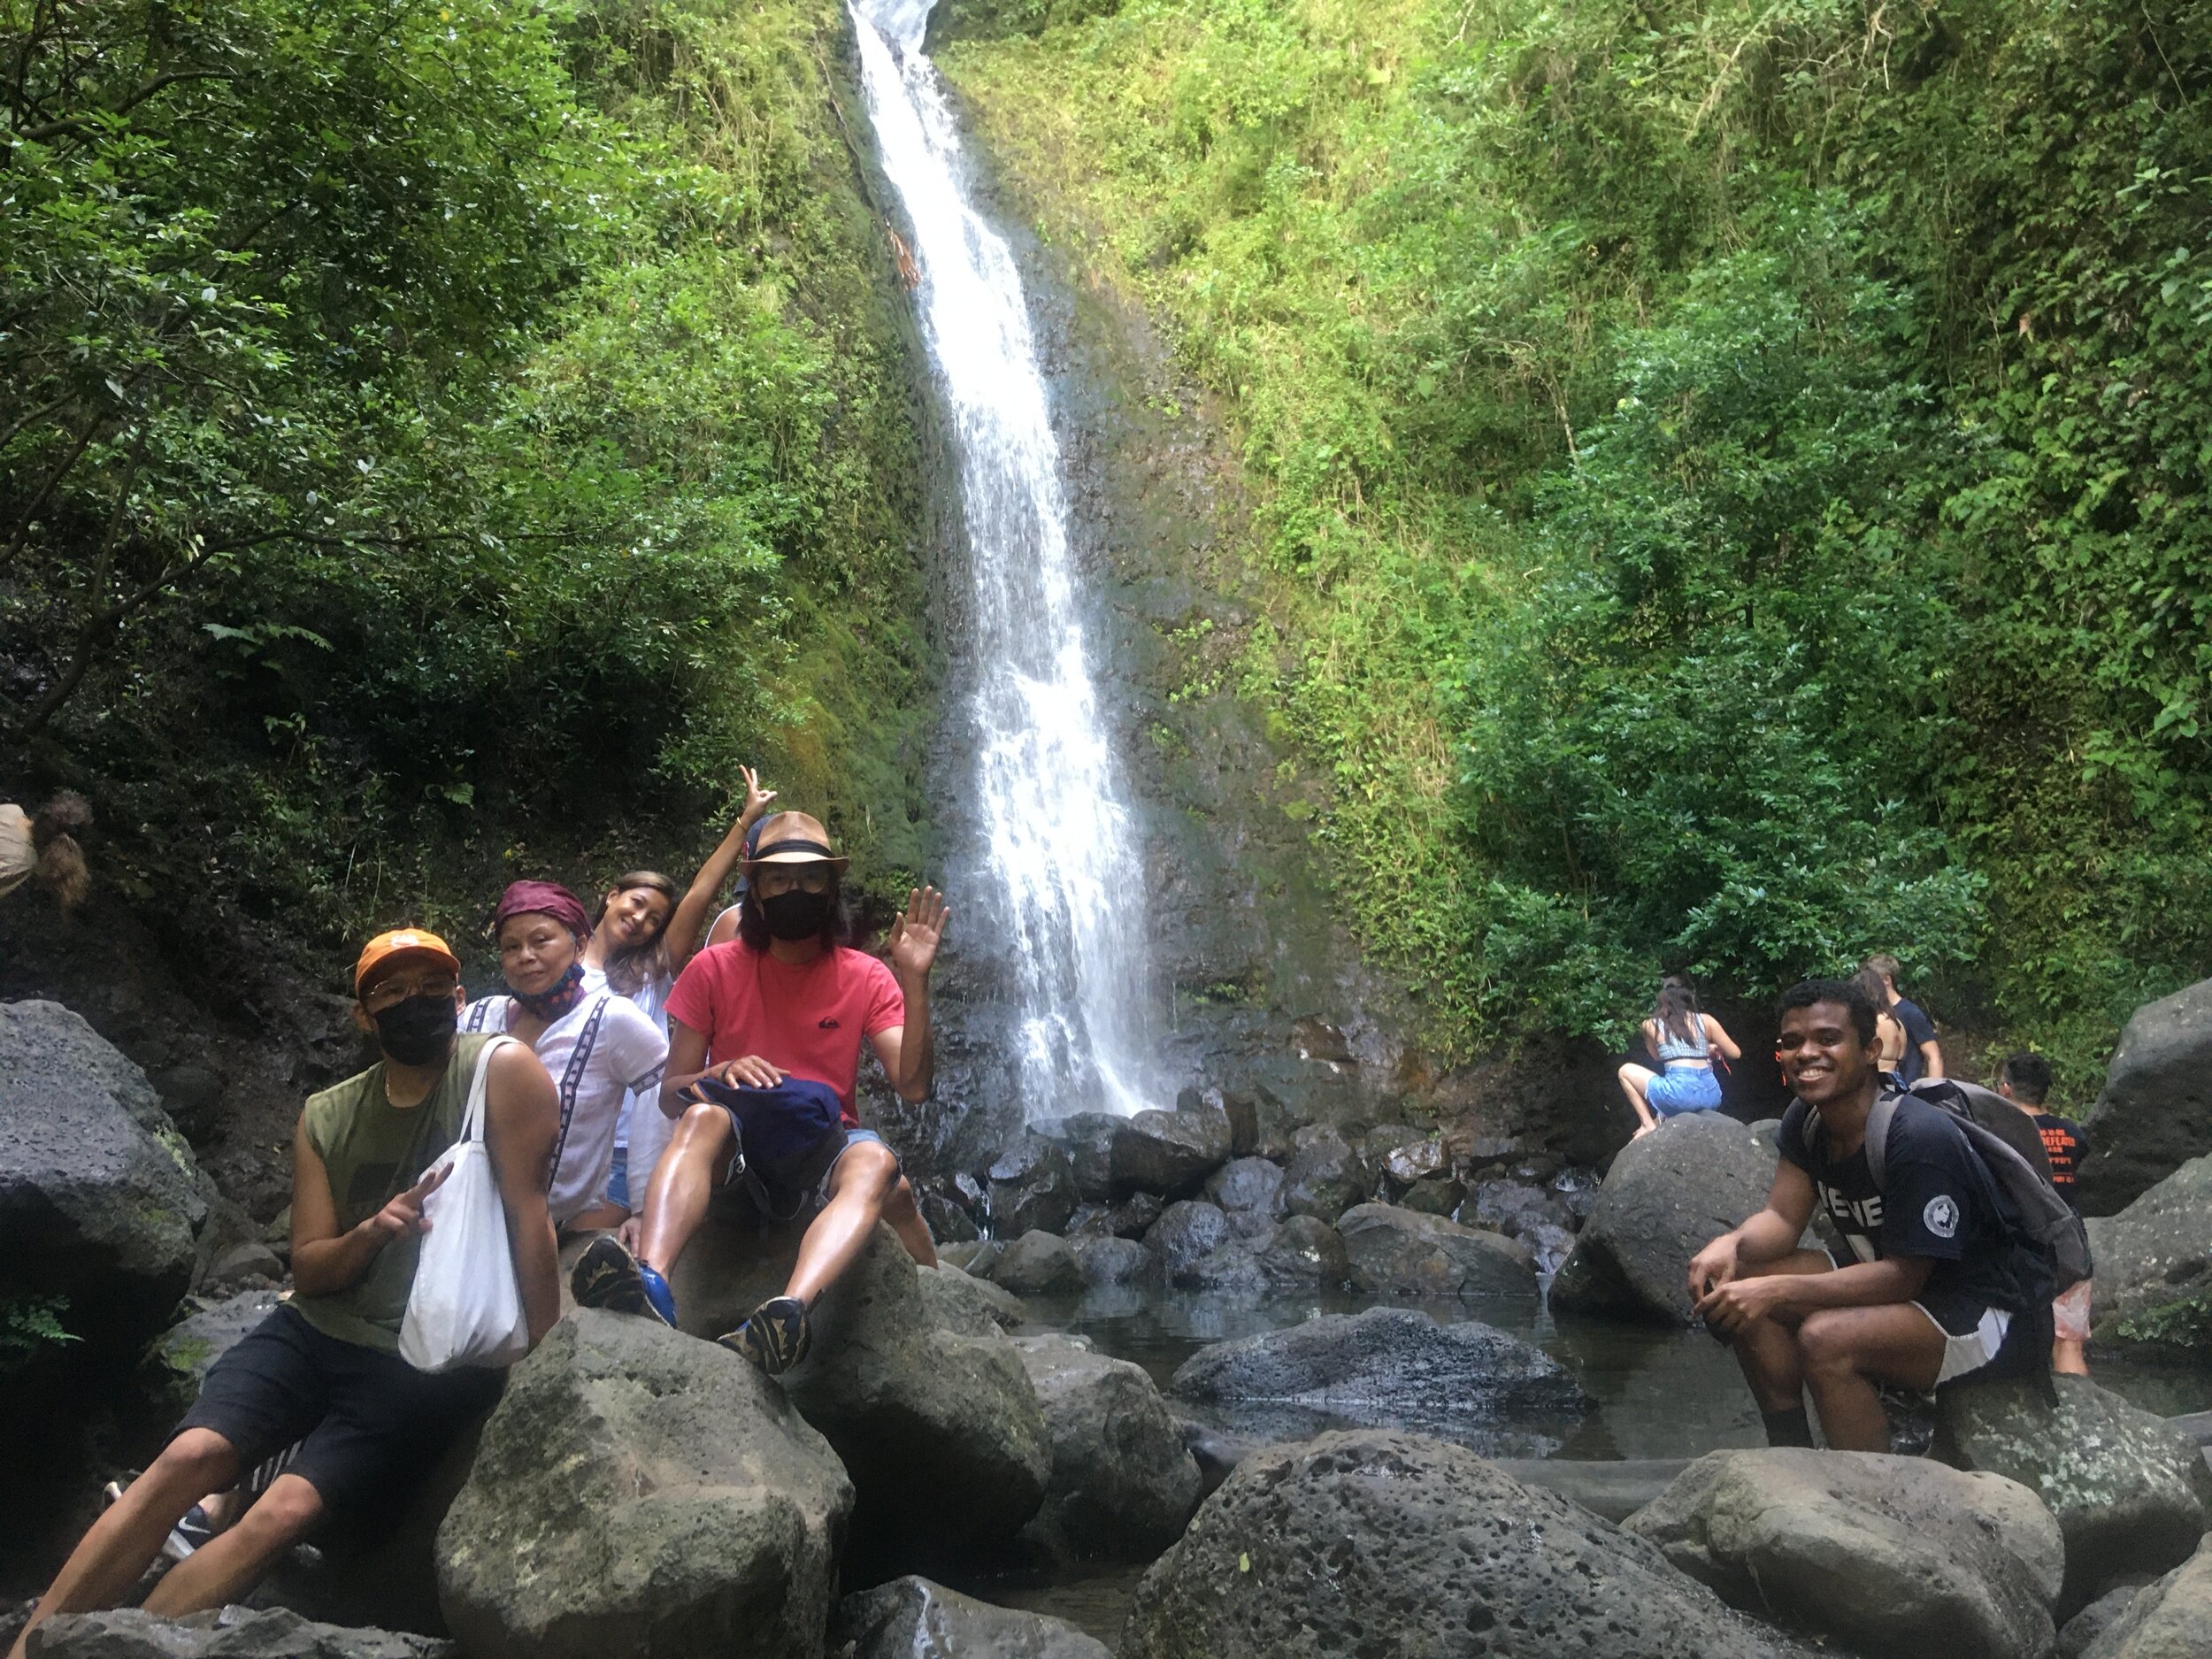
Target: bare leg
x=1635, y=1080
x=598, y=1219
x=122, y=1543
x=860, y=1183
x=1845, y=1350
x=683, y=1182
x=905, y=1217
x=2070, y=1359
x=241, y=1558
x=1768, y=1348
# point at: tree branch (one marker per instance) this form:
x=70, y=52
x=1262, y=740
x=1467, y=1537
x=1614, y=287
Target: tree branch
x=70, y=123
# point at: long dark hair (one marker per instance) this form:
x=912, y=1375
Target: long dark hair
x=1677, y=1010
x=54, y=832
x=629, y=971
x=837, y=926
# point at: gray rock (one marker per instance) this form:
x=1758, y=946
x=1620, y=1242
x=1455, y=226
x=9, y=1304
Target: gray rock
x=1303, y=1254
x=1384, y=1366
x=1033, y=1188
x=949, y=1223
x=1666, y=1197
x=1123, y=1483
x=1325, y=1177
x=1894, y=1556
x=2093, y=1620
x=243, y=1264
x=1113, y=1261
x=100, y=1199
x=1414, y=1160
x=637, y=1491
x=2170, y=1619
x=1614, y=1488
x=178, y=1362
x=229, y=1633
x=1037, y=1264
x=1435, y=1195
x=1090, y=1221
x=2129, y=1491
x=1400, y=1253
x=2154, y=1263
x=1187, y=1232
x=1248, y=1191
x=913, y=1618
x=1234, y=1267
x=1513, y=1210
x=1376, y=1543
x=2155, y=1112
x=973, y=1307
x=1134, y=1215
x=1169, y=1153
x=1088, y=1139
x=972, y=1257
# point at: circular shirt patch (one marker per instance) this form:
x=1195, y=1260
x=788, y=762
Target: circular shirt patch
x=1941, y=1217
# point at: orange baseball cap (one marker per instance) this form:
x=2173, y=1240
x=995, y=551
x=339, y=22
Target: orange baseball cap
x=401, y=941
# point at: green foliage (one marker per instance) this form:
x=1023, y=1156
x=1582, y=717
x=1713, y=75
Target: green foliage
x=29, y=1326
x=1732, y=474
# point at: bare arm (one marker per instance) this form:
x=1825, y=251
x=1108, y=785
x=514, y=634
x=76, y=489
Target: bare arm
x=1932, y=1057
x=1765, y=1237
x=1716, y=1034
x=325, y=1261
x=909, y=1052
x=680, y=940
x=522, y=1123
x=1648, y=1032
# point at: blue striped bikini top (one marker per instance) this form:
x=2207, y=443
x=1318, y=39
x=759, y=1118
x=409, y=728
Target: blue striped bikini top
x=1672, y=1047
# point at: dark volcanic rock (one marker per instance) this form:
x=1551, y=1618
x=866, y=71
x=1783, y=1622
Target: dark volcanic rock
x=2154, y=1258
x=1123, y=1483
x=1186, y=1233
x=178, y=1362
x=960, y=1302
x=913, y=1618
x=1134, y=1215
x=1513, y=1209
x=1088, y=1139
x=1033, y=1188
x=1037, y=1264
x=2170, y=1619
x=229, y=1633
x=2155, y=1112
x=1303, y=1254
x=1434, y=1195
x=1401, y=1253
x=1374, y=1542
x=1248, y=1191
x=1169, y=1153
x=1325, y=1177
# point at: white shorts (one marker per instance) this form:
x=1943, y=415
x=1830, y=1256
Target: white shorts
x=1971, y=1349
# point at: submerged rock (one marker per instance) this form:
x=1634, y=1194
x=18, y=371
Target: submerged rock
x=2166, y=1620
x=1033, y=1188
x=913, y=1618
x=1123, y=1483
x=1378, y=1542
x=1169, y=1153
x=638, y=1492
x=1325, y=1177
x=2155, y=1112
x=228, y=1633
x=1892, y=1555
x=1037, y=1264
x=1402, y=1253
x=2154, y=1262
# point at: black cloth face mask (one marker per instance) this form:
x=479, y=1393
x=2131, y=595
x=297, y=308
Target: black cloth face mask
x=796, y=915
x=417, y=1031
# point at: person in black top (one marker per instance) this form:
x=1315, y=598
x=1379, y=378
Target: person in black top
x=1938, y=1284
x=2025, y=1080
x=1924, y=1053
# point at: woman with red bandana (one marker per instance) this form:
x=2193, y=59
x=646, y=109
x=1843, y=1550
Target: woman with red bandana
x=598, y=1045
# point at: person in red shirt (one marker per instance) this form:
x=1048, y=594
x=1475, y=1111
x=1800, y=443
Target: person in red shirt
x=785, y=1005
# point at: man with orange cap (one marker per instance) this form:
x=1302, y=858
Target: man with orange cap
x=323, y=1374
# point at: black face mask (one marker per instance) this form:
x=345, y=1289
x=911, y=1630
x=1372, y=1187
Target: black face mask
x=796, y=915
x=417, y=1031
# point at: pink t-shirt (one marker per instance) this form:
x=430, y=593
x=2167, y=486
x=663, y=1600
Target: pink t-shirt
x=807, y=1018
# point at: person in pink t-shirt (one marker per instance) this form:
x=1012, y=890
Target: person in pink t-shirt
x=786, y=1002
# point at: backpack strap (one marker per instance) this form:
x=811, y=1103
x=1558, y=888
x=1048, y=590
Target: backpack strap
x=1877, y=1122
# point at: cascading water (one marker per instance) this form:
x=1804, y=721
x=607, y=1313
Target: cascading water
x=1058, y=848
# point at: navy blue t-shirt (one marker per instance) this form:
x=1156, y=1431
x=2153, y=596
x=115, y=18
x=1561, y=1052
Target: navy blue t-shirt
x=1918, y=1029
x=1939, y=1201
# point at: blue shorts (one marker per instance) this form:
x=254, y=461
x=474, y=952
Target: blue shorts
x=1688, y=1089
x=619, y=1179
x=788, y=1206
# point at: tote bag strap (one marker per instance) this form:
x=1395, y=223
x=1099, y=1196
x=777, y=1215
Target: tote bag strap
x=472, y=1118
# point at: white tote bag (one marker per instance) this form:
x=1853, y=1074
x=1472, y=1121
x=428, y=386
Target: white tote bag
x=465, y=1308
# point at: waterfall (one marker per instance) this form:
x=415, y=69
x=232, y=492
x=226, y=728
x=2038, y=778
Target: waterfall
x=1062, y=888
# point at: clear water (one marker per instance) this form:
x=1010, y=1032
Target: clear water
x=1056, y=869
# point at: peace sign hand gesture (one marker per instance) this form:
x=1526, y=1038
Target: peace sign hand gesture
x=917, y=933
x=756, y=798
x=403, y=1217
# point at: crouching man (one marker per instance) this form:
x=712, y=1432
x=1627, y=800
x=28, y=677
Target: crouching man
x=322, y=1374
x=1940, y=1285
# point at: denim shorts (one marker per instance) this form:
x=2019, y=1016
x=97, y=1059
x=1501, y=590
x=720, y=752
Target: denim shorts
x=785, y=1206
x=619, y=1179
x=1689, y=1088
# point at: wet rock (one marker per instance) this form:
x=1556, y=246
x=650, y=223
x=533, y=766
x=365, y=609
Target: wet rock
x=1577, y=1191
x=960, y=1302
x=249, y=1264
x=1088, y=1139
x=1113, y=1261
x=1169, y=1153
x=1513, y=1209
x=1551, y=1247
x=100, y=1199
x=2169, y=1619
x=1243, y=1112
x=2155, y=1112
x=1123, y=1483
x=1090, y=1221
x=1303, y=1254
x=1325, y=1177
x=2093, y=1621
x=914, y=1618
x=1037, y=1264
x=1666, y=1197
x=179, y=1359
x=1033, y=1188
x=1434, y=1195
x=1134, y=1215
x=949, y=1223
x=1378, y=1542
x=1399, y=1252
x=1187, y=1232
x=1414, y=1161
x=1615, y=1488
x=229, y=1633
x=1894, y=1556
x=1315, y=1039
x=2154, y=1260
x=1248, y=1191
x=1235, y=1267
x=972, y=1256
x=2129, y=1491
x=637, y=1491
x=1384, y=1366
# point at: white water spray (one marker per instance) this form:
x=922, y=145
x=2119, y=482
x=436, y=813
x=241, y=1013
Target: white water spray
x=1058, y=843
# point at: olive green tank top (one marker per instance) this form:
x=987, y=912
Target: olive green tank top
x=373, y=1151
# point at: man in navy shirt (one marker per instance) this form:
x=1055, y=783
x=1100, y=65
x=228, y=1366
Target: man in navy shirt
x=1924, y=1053
x=1938, y=1286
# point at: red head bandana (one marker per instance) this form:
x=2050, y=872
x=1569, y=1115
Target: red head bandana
x=549, y=897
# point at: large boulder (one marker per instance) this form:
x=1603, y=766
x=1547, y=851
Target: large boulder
x=227, y=1632
x=1122, y=1482
x=2154, y=1263
x=1384, y=1366
x=1033, y=1188
x=1667, y=1196
x=1088, y=1139
x=2130, y=1492
x=179, y=1359
x=1186, y=1233
x=2170, y=1619
x=1170, y=1153
x=2155, y=1112
x=1403, y=1253
x=1113, y=1261
x=1890, y=1556
x=1303, y=1254
x=2079, y=1632
x=1248, y=1191
x=1514, y=1208
x=913, y=1618
x=638, y=1492
x=1037, y=1264
x=974, y=1306
x=100, y=1199
x=1325, y=1176
x=1386, y=1543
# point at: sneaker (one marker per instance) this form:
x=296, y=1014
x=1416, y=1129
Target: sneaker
x=657, y=1293
x=192, y=1531
x=608, y=1276
x=776, y=1338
